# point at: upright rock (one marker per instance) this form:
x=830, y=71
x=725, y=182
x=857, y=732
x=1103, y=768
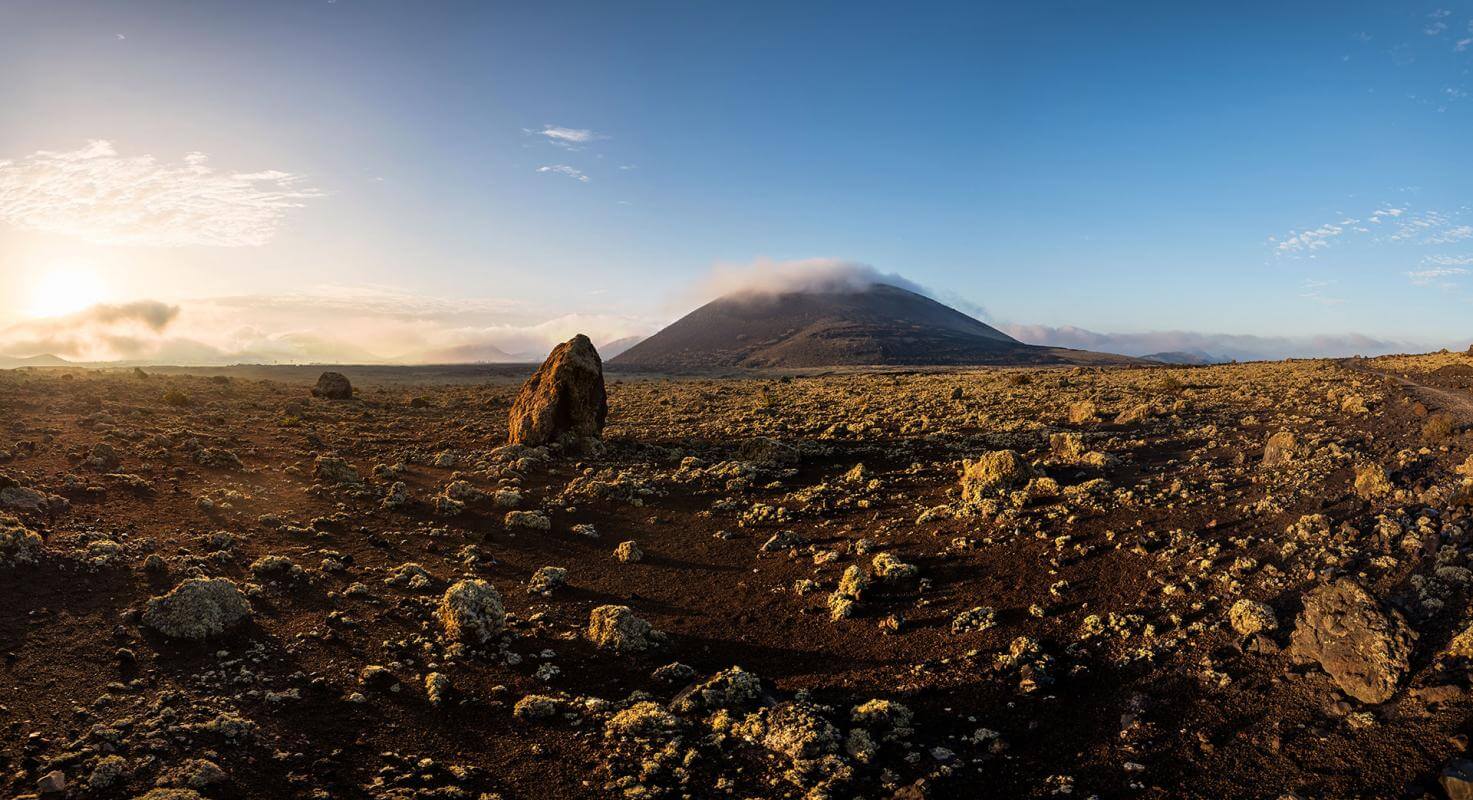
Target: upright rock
x=333, y=386
x=1365, y=649
x=564, y=400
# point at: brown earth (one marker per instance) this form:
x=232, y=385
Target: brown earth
x=1106, y=663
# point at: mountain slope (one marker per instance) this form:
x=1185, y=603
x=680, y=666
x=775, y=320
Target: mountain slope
x=877, y=325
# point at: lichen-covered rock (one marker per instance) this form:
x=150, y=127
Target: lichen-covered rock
x=641, y=720
x=886, y=718
x=1250, y=616
x=628, y=552
x=198, y=608
x=1371, y=481
x=18, y=544
x=1364, y=648
x=616, y=628
x=890, y=569
x=993, y=473
x=437, y=688
x=732, y=688
x=974, y=620
x=531, y=520
x=535, y=707
x=793, y=729
x=333, y=386
x=334, y=471
x=564, y=400
x=546, y=580
x=471, y=612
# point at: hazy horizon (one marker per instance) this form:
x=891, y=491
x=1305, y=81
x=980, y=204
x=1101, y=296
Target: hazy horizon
x=379, y=182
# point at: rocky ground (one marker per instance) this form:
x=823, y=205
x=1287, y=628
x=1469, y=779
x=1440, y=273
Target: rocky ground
x=1235, y=581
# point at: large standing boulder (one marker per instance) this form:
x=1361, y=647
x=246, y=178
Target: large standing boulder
x=564, y=400
x=333, y=386
x=1364, y=648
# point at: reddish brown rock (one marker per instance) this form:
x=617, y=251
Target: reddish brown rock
x=1363, y=648
x=564, y=400
x=333, y=386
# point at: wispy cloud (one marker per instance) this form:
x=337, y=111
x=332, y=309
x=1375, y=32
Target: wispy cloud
x=1317, y=291
x=1450, y=261
x=1388, y=224
x=95, y=194
x=1436, y=276
x=563, y=169
x=568, y=138
x=1315, y=239
x=1455, y=234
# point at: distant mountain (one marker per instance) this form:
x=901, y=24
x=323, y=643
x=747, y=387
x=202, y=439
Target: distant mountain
x=618, y=346
x=874, y=325
x=1185, y=358
x=464, y=354
x=46, y=360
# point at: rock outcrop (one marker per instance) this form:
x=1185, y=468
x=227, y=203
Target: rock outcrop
x=564, y=401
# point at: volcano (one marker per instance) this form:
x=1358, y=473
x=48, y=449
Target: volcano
x=866, y=326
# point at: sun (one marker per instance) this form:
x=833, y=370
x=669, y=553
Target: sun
x=65, y=290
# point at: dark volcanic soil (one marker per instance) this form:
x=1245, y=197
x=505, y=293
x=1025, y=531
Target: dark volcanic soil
x=1110, y=667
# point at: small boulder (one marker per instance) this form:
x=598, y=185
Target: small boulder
x=333, y=386
x=198, y=608
x=1279, y=449
x=471, y=612
x=1250, y=616
x=564, y=399
x=993, y=473
x=628, y=552
x=616, y=628
x=18, y=544
x=1371, y=481
x=1365, y=649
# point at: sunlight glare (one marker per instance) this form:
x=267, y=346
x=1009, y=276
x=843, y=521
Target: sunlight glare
x=65, y=290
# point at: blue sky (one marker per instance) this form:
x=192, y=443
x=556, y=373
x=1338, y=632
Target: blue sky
x=1118, y=167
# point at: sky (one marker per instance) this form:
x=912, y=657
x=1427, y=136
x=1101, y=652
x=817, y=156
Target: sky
x=357, y=180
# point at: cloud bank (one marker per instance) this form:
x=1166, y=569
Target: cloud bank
x=374, y=325
x=1221, y=346
x=99, y=196
x=102, y=332
x=814, y=275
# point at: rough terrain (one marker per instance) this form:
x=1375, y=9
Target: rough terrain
x=1239, y=581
